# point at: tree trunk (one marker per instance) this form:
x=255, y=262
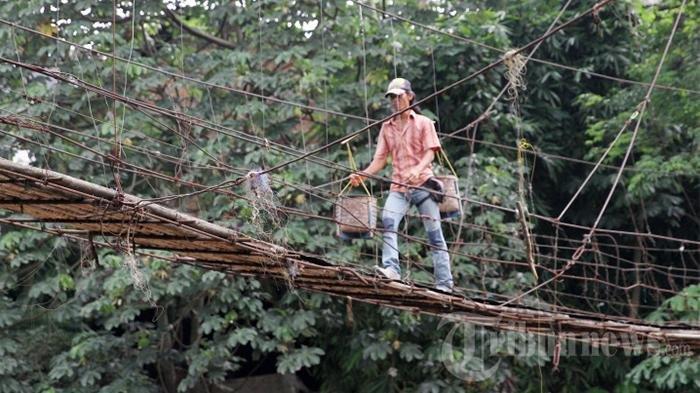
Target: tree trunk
x=166, y=369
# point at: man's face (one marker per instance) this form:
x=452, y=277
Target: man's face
x=399, y=102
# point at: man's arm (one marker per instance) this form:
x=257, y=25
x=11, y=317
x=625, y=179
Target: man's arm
x=431, y=144
x=378, y=161
x=414, y=172
x=374, y=167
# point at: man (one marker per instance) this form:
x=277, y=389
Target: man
x=411, y=140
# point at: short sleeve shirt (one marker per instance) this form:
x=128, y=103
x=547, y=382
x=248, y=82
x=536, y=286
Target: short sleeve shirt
x=407, y=147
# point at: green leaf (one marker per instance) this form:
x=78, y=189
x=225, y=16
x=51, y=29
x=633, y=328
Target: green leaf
x=377, y=350
x=241, y=336
x=410, y=351
x=66, y=282
x=299, y=358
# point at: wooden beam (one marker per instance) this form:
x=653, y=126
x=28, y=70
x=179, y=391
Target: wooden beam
x=19, y=201
x=309, y=272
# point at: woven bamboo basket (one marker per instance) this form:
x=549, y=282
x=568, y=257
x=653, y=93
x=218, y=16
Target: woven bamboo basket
x=356, y=216
x=451, y=205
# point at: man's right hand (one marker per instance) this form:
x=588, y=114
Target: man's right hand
x=356, y=179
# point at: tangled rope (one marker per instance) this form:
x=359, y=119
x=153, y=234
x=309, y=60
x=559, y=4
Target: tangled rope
x=515, y=71
x=263, y=203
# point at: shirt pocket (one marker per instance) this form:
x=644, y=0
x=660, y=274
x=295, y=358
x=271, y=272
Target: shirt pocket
x=415, y=141
x=391, y=142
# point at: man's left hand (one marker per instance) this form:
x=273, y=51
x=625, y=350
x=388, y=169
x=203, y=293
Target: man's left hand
x=412, y=175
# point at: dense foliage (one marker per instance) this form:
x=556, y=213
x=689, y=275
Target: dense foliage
x=72, y=321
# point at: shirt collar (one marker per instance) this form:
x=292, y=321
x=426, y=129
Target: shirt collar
x=411, y=115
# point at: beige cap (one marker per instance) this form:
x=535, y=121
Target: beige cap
x=398, y=86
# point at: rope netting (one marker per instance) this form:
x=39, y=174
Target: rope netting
x=561, y=264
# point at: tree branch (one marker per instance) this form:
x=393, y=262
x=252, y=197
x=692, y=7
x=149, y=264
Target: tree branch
x=106, y=19
x=198, y=33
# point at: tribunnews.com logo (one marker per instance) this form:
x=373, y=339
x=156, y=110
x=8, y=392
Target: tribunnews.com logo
x=473, y=352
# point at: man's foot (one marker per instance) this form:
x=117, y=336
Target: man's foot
x=443, y=288
x=388, y=273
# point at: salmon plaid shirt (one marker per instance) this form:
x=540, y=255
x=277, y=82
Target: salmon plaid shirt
x=407, y=147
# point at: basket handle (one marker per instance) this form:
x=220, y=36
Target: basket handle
x=353, y=166
x=441, y=155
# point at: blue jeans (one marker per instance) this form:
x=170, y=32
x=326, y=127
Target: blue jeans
x=394, y=210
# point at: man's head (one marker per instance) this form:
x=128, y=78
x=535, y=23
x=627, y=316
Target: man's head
x=400, y=94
